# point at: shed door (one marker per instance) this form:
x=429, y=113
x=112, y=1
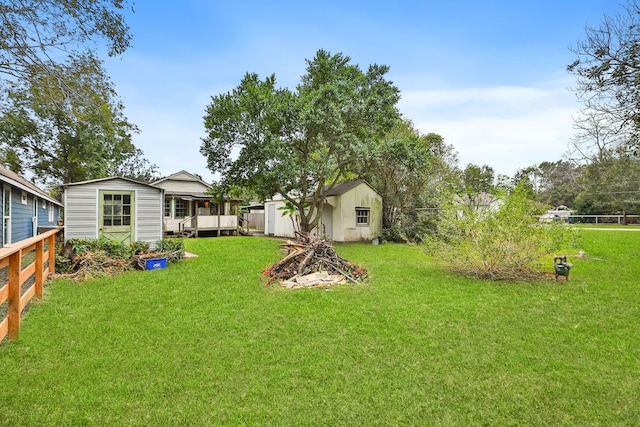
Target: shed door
x=117, y=215
x=271, y=220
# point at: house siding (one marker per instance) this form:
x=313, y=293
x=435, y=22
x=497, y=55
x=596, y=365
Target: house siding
x=148, y=215
x=362, y=196
x=338, y=216
x=81, y=214
x=43, y=214
x=183, y=186
x=21, y=216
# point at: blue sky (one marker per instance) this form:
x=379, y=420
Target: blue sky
x=489, y=76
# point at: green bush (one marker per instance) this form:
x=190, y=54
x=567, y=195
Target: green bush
x=111, y=248
x=415, y=227
x=504, y=244
x=172, y=249
x=140, y=247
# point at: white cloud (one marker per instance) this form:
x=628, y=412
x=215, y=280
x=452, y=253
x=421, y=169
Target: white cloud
x=507, y=128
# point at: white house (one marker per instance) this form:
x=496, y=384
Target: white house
x=189, y=210
x=115, y=208
x=352, y=212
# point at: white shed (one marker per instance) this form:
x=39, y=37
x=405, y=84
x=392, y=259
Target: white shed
x=352, y=212
x=117, y=208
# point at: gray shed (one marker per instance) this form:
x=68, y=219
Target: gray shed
x=117, y=208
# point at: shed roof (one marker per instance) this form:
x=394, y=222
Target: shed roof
x=111, y=178
x=342, y=187
x=18, y=181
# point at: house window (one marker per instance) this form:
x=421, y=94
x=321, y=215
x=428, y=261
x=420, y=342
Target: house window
x=362, y=216
x=44, y=204
x=116, y=210
x=167, y=207
x=181, y=208
x=51, y=212
x=23, y=199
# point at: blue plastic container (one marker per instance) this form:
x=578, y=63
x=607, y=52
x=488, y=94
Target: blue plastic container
x=155, y=263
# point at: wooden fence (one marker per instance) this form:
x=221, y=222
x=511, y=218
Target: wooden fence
x=11, y=260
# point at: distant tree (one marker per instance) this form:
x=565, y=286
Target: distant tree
x=606, y=73
x=610, y=186
x=299, y=143
x=552, y=183
x=69, y=139
x=409, y=170
x=38, y=35
x=475, y=180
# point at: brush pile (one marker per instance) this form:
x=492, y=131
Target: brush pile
x=312, y=261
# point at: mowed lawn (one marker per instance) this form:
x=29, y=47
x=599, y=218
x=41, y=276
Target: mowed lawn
x=204, y=342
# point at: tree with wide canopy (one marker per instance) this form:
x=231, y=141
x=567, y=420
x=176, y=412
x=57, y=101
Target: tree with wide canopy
x=299, y=143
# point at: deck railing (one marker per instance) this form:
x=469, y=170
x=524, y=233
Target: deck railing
x=17, y=275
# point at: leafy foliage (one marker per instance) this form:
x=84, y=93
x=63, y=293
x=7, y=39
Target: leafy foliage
x=85, y=258
x=68, y=139
x=299, y=143
x=553, y=183
x=409, y=171
x=35, y=34
x=172, y=249
x=504, y=244
x=610, y=186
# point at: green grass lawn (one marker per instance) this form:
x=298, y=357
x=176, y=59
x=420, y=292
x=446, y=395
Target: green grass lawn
x=204, y=342
x=613, y=226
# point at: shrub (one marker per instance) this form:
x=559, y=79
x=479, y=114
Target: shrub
x=111, y=248
x=140, y=247
x=414, y=227
x=506, y=244
x=172, y=249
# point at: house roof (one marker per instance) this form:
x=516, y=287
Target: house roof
x=195, y=195
x=342, y=187
x=16, y=180
x=111, y=178
x=337, y=190
x=181, y=176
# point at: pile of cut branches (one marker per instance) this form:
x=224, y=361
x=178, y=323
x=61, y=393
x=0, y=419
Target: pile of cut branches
x=87, y=265
x=312, y=255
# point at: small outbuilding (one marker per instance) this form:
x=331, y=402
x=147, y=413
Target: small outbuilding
x=352, y=213
x=116, y=208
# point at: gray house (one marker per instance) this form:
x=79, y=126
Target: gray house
x=26, y=209
x=115, y=208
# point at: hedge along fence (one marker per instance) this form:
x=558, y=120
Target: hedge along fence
x=11, y=259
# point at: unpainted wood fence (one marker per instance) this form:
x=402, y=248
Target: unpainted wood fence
x=17, y=275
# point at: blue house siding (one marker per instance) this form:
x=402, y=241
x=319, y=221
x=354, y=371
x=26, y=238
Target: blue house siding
x=21, y=215
x=43, y=214
x=21, y=224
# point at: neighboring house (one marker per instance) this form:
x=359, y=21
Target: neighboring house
x=188, y=209
x=482, y=202
x=25, y=207
x=352, y=212
x=115, y=208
